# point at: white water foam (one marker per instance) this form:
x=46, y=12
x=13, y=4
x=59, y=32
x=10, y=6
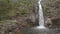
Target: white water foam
x=41, y=17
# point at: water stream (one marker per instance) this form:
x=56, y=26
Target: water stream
x=41, y=17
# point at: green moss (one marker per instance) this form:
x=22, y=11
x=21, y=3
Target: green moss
x=8, y=21
x=2, y=22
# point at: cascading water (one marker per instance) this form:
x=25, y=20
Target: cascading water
x=41, y=18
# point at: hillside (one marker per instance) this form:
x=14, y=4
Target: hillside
x=51, y=8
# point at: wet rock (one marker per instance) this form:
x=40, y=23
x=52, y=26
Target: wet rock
x=48, y=22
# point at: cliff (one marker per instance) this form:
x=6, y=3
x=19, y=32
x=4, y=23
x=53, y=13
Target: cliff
x=51, y=10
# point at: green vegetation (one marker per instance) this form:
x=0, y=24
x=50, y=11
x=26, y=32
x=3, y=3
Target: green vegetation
x=10, y=8
x=51, y=7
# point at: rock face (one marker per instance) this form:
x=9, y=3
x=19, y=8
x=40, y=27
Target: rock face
x=52, y=8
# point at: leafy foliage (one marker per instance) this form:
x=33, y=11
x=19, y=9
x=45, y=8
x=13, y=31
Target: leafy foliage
x=51, y=7
x=10, y=8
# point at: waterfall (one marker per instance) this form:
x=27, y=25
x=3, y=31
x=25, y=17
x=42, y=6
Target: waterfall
x=41, y=18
